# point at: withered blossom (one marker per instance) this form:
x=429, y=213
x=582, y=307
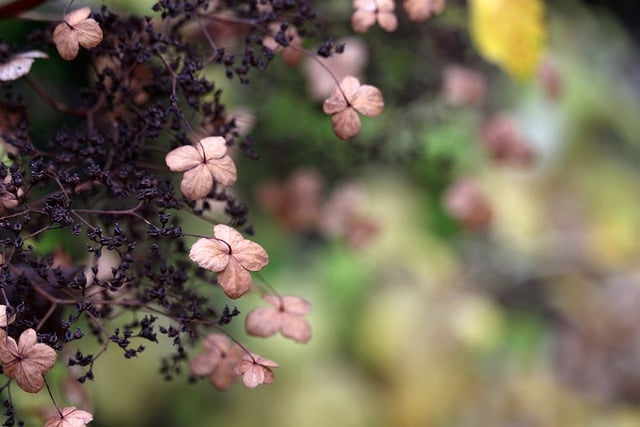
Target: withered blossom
x=218, y=361
x=69, y=416
x=255, y=370
x=367, y=12
x=286, y=315
x=26, y=361
x=76, y=30
x=203, y=164
x=349, y=99
x=231, y=256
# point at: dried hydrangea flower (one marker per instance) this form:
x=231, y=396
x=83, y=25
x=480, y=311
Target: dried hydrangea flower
x=203, y=164
x=26, y=361
x=286, y=315
x=69, y=417
x=349, y=99
x=465, y=202
x=463, y=86
x=367, y=12
x=421, y=10
x=19, y=65
x=231, y=256
x=255, y=370
x=76, y=30
x=218, y=361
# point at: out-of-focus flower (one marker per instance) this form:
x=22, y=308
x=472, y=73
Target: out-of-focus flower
x=504, y=142
x=295, y=202
x=421, y=10
x=19, y=65
x=286, y=315
x=218, y=361
x=343, y=216
x=367, y=12
x=464, y=201
x=550, y=79
x=462, y=86
x=510, y=33
x=349, y=99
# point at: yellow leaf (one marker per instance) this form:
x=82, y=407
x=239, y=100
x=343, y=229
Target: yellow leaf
x=510, y=33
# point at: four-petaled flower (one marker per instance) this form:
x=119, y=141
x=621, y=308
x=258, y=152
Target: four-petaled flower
x=203, y=164
x=255, y=370
x=218, y=361
x=349, y=99
x=76, y=30
x=27, y=361
x=285, y=316
x=69, y=417
x=230, y=255
x=367, y=12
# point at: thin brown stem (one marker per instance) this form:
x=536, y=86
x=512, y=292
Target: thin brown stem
x=18, y=6
x=42, y=92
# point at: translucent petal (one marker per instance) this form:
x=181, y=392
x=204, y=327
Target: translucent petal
x=197, y=182
x=183, y=158
x=368, y=100
x=346, y=124
x=210, y=254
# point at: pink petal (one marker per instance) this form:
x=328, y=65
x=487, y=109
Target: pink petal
x=183, y=158
x=346, y=124
x=28, y=338
x=89, y=33
x=250, y=255
x=71, y=417
x=235, y=280
x=197, y=182
x=365, y=4
x=296, y=328
x=350, y=85
x=223, y=170
x=263, y=322
x=74, y=17
x=254, y=376
x=212, y=147
x=387, y=21
x=295, y=305
x=362, y=20
x=216, y=342
x=368, y=100
x=335, y=103
x=204, y=364
x=228, y=234
x=210, y=254
x=386, y=5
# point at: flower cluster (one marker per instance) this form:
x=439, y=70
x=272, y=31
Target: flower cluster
x=91, y=211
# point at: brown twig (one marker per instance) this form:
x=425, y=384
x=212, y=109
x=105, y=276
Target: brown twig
x=18, y=6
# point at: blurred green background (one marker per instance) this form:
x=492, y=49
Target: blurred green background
x=529, y=317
